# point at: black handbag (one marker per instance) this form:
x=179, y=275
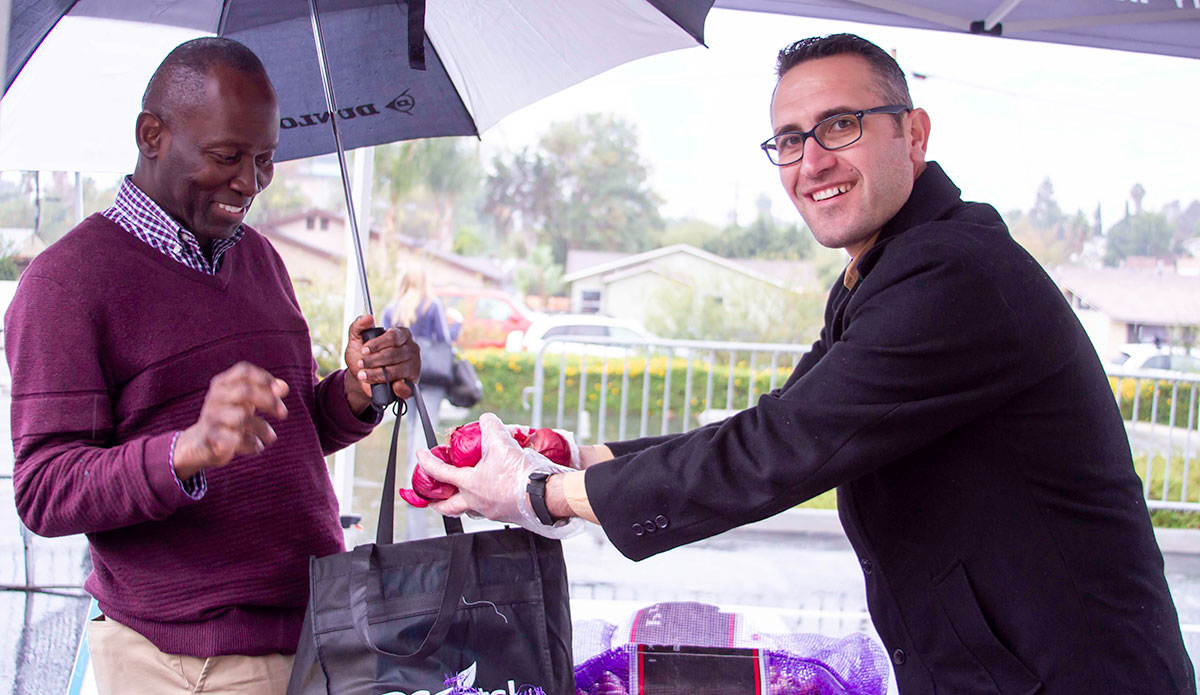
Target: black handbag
x=466, y=390
x=465, y=612
x=437, y=362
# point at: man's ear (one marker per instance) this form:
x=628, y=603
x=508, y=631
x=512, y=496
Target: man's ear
x=151, y=133
x=918, y=135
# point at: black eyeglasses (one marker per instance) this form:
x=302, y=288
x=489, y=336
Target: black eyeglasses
x=833, y=133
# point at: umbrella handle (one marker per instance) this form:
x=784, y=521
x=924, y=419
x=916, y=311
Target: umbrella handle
x=381, y=394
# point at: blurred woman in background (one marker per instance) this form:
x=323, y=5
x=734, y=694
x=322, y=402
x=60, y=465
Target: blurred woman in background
x=418, y=308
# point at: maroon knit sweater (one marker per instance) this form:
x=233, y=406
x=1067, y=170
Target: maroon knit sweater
x=112, y=345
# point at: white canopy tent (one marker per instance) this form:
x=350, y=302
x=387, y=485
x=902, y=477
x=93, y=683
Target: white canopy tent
x=1164, y=27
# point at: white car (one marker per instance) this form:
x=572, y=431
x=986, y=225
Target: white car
x=1145, y=357
x=555, y=332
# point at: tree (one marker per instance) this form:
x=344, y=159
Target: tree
x=722, y=308
x=10, y=267
x=424, y=183
x=1137, y=193
x=689, y=231
x=765, y=237
x=540, y=276
x=1047, y=233
x=584, y=186
x=1045, y=213
x=1143, y=234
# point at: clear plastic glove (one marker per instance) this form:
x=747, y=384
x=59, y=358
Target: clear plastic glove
x=495, y=487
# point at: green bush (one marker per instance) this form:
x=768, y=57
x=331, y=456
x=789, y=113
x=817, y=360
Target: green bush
x=1129, y=392
x=505, y=375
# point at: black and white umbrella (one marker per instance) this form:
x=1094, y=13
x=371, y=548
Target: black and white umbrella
x=78, y=68
x=348, y=73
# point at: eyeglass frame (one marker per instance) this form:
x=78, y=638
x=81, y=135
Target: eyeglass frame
x=769, y=144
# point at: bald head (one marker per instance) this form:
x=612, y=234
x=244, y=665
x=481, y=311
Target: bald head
x=178, y=84
x=207, y=136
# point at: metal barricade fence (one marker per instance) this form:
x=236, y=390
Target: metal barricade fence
x=639, y=389
x=610, y=390
x=1160, y=416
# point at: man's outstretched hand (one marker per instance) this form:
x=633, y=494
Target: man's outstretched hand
x=229, y=422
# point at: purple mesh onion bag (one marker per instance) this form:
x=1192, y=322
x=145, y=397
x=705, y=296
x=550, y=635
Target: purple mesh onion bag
x=789, y=663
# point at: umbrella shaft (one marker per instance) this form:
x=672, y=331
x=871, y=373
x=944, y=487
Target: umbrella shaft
x=331, y=106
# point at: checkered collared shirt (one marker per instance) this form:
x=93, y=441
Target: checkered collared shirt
x=137, y=214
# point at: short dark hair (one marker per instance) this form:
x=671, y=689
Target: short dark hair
x=179, y=80
x=892, y=85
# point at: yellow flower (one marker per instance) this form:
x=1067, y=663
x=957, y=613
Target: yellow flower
x=499, y=387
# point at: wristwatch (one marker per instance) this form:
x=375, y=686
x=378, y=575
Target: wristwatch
x=537, y=497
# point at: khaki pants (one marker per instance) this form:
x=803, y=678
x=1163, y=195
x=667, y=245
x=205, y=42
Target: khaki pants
x=125, y=663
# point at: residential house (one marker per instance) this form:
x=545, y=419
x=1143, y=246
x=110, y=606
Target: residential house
x=314, y=244
x=624, y=285
x=1120, y=305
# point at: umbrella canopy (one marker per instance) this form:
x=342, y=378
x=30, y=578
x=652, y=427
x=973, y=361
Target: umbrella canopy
x=76, y=70
x=1166, y=27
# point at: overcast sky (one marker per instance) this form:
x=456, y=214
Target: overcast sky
x=1005, y=114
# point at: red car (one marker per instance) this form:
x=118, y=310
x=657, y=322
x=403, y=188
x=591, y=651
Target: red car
x=488, y=315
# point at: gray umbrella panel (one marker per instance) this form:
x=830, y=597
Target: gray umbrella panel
x=1166, y=27
x=379, y=97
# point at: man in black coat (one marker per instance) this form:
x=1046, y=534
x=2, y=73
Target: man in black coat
x=983, y=472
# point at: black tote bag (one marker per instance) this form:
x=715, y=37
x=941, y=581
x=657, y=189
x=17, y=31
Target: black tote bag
x=468, y=612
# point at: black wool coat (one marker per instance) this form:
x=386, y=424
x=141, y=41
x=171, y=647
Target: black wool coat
x=983, y=472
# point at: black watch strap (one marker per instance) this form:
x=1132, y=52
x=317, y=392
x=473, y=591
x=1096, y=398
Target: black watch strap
x=537, y=497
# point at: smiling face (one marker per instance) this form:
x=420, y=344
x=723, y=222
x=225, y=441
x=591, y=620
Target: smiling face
x=847, y=195
x=206, y=163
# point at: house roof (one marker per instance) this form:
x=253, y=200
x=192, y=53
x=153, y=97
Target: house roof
x=578, y=259
x=783, y=274
x=1135, y=296
x=330, y=244
x=491, y=268
x=278, y=237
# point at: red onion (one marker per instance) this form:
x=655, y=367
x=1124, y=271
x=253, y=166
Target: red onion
x=426, y=489
x=413, y=498
x=521, y=434
x=432, y=490
x=466, y=445
x=552, y=445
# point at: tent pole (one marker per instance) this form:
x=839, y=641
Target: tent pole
x=78, y=197
x=364, y=167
